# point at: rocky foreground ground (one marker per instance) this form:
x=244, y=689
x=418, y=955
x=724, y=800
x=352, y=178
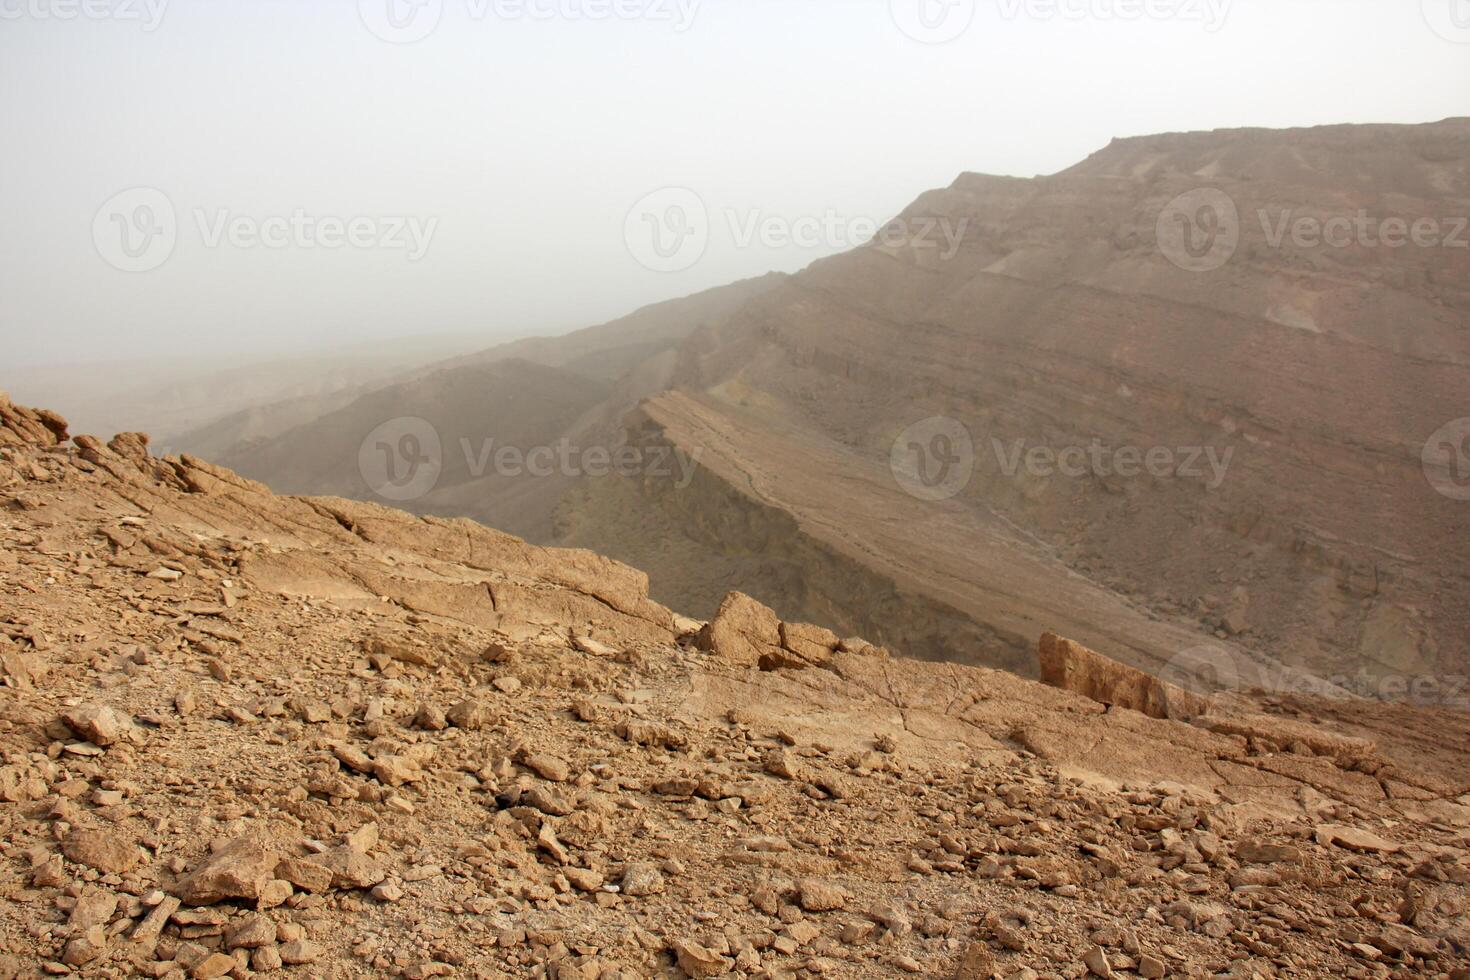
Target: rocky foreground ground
x=242, y=733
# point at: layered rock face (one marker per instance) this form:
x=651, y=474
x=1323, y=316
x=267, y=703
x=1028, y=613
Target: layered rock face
x=1073, y=667
x=1196, y=400
x=1204, y=380
x=247, y=734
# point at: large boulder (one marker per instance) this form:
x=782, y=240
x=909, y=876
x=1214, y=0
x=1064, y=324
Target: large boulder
x=240, y=869
x=744, y=632
x=1072, y=667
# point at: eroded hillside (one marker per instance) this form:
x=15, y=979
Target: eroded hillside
x=1294, y=394
x=1200, y=391
x=244, y=733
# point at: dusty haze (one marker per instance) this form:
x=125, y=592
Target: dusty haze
x=518, y=144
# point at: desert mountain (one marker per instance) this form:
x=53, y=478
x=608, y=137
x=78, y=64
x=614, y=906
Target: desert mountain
x=244, y=733
x=1165, y=300
x=526, y=393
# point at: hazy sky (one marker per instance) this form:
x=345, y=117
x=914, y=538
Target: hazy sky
x=479, y=164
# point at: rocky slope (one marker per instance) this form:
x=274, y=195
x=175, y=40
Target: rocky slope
x=244, y=733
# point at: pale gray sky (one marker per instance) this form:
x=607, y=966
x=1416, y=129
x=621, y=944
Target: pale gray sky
x=514, y=138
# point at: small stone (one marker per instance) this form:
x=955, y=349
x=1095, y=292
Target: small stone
x=779, y=762
x=642, y=879
x=265, y=959
x=396, y=770
x=97, y=723
x=977, y=962
x=1151, y=967
x=251, y=933
x=547, y=800
x=101, y=850
x=584, y=879
x=699, y=961
x=388, y=891
x=309, y=876
x=470, y=715
x=1258, y=852
x=1355, y=839
x=242, y=868
x=1096, y=961
x=548, y=767
x=214, y=965
x=592, y=647
x=430, y=718
x=816, y=895
x=152, y=925
x=351, y=869
x=300, y=951
x=85, y=948
x=95, y=907
x=275, y=892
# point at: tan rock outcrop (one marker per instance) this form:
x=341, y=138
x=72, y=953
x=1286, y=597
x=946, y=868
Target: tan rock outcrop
x=1072, y=667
